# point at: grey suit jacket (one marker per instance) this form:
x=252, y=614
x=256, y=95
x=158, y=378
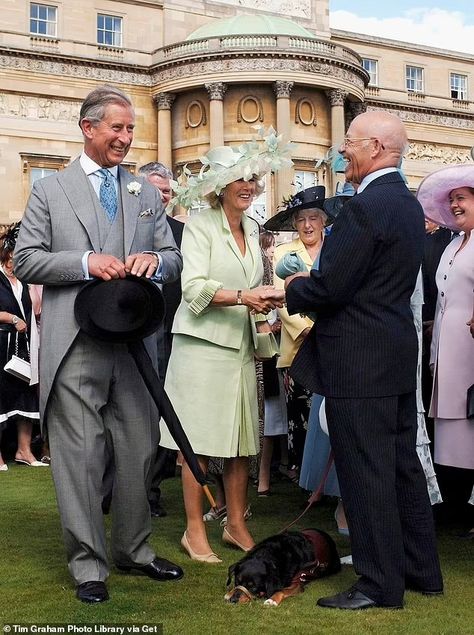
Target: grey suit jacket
x=59, y=226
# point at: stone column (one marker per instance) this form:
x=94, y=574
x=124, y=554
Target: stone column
x=284, y=177
x=216, y=93
x=336, y=99
x=164, y=102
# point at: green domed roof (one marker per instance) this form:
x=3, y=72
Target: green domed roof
x=250, y=25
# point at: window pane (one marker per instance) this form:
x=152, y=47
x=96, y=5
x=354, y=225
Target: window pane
x=109, y=30
x=371, y=67
x=39, y=173
x=458, y=86
x=303, y=180
x=258, y=209
x=43, y=19
x=414, y=79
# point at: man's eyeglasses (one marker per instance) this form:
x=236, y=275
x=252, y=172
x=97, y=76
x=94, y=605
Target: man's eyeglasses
x=347, y=142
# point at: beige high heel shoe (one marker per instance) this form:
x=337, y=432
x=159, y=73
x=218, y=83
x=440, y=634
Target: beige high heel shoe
x=230, y=540
x=210, y=558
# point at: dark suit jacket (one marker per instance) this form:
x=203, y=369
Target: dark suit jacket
x=172, y=290
x=9, y=304
x=363, y=343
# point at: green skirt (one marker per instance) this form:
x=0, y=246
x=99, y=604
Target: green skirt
x=214, y=392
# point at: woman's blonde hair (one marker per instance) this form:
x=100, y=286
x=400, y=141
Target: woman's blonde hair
x=214, y=200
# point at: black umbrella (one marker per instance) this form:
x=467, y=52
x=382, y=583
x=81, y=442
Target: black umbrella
x=127, y=310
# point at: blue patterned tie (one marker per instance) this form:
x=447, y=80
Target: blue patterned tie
x=108, y=194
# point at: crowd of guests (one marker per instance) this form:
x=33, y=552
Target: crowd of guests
x=326, y=298
x=20, y=309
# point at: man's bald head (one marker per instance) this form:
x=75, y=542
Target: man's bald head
x=375, y=140
x=388, y=128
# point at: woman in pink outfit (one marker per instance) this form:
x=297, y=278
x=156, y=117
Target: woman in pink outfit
x=447, y=197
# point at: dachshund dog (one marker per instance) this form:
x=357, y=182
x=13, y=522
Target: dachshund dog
x=281, y=565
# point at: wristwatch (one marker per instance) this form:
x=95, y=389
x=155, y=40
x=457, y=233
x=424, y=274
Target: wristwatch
x=239, y=296
x=15, y=319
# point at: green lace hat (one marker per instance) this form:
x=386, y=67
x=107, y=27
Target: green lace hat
x=225, y=164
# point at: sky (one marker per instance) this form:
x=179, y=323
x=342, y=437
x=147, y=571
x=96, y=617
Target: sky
x=448, y=25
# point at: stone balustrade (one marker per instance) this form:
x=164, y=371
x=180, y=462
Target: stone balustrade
x=254, y=44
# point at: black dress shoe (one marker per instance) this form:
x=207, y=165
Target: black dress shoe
x=158, y=569
x=92, y=592
x=352, y=599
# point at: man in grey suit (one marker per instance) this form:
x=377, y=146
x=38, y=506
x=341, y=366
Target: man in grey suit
x=95, y=220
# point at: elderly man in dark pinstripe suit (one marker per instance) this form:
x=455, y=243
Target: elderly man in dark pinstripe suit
x=362, y=355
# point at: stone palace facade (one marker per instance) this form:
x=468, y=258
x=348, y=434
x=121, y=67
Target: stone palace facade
x=203, y=73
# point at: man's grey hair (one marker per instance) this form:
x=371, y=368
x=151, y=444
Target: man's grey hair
x=94, y=105
x=155, y=167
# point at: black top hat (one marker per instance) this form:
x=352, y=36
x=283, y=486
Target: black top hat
x=122, y=310
x=312, y=197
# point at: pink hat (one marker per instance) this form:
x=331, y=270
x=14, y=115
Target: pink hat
x=433, y=192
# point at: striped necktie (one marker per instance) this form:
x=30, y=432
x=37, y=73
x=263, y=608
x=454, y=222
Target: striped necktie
x=108, y=194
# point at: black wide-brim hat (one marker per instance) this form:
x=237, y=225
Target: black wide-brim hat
x=311, y=198
x=332, y=206
x=121, y=310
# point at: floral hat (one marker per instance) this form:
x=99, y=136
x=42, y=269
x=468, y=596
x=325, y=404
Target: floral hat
x=433, y=192
x=225, y=164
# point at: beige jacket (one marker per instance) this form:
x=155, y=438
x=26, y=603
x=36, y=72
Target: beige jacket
x=292, y=326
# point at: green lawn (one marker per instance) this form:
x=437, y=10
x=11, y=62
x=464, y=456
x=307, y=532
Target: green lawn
x=35, y=586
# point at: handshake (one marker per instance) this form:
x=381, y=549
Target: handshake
x=263, y=299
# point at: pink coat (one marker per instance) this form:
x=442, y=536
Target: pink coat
x=452, y=347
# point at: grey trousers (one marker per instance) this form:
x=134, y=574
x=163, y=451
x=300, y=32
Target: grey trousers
x=100, y=411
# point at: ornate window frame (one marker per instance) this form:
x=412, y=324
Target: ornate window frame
x=33, y=161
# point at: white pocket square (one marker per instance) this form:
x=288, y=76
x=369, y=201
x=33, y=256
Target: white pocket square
x=147, y=212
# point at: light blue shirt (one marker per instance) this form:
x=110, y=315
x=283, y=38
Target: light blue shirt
x=91, y=168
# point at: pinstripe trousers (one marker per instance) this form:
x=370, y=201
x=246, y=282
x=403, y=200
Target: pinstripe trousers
x=100, y=411
x=385, y=495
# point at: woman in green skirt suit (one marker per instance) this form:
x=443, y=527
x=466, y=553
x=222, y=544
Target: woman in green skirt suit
x=211, y=377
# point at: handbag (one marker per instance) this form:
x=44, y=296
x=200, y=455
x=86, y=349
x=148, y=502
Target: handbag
x=17, y=366
x=266, y=346
x=470, y=403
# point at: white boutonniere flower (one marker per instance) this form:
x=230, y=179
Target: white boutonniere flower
x=134, y=187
